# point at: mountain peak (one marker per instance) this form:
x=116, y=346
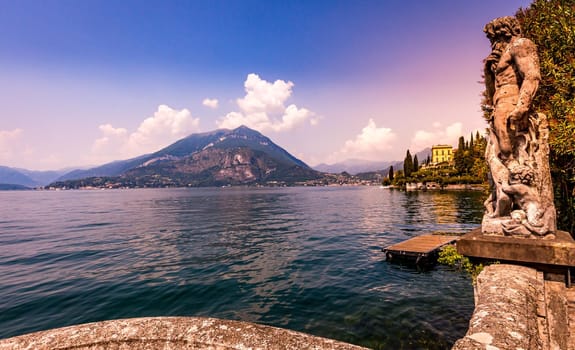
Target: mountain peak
x=242, y=128
x=218, y=145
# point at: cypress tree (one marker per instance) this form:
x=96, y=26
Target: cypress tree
x=461, y=144
x=408, y=164
x=390, y=174
x=415, y=163
x=459, y=158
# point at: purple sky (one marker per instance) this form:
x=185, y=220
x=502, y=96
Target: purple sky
x=87, y=82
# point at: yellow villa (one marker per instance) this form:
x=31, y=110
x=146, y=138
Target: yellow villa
x=441, y=154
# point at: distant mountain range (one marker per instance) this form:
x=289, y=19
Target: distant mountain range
x=218, y=158
x=353, y=166
x=358, y=166
x=27, y=178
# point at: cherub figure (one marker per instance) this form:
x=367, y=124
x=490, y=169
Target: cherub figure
x=528, y=217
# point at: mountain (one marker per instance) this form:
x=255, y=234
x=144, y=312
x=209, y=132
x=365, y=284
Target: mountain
x=359, y=166
x=14, y=177
x=421, y=157
x=12, y=187
x=353, y=166
x=220, y=157
x=42, y=178
x=423, y=154
x=27, y=178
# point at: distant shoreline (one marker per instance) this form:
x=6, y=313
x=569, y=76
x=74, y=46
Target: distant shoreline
x=449, y=187
x=410, y=188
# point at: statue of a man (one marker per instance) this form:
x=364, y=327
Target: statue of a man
x=521, y=202
x=511, y=78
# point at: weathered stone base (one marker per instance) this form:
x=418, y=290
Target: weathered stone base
x=171, y=333
x=559, y=251
x=493, y=225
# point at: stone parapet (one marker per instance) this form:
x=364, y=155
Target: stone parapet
x=171, y=333
x=515, y=308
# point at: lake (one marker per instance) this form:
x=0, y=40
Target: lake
x=307, y=259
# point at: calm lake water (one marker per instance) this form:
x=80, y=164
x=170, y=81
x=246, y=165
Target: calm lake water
x=307, y=259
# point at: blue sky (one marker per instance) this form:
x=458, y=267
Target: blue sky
x=87, y=82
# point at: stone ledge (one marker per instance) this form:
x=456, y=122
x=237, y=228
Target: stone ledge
x=171, y=333
x=559, y=251
x=515, y=308
x=506, y=310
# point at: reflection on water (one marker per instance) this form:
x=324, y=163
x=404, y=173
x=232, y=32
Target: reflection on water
x=308, y=259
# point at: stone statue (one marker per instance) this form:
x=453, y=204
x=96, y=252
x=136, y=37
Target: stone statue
x=521, y=201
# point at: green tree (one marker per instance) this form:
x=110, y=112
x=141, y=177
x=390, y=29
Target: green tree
x=459, y=156
x=390, y=173
x=398, y=178
x=407, y=164
x=480, y=169
x=461, y=143
x=550, y=24
x=415, y=164
x=478, y=137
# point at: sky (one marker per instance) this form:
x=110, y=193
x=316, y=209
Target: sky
x=87, y=82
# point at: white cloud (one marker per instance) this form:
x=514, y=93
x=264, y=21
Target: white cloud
x=210, y=102
x=113, y=140
x=454, y=131
x=9, y=136
x=371, y=144
x=425, y=138
x=167, y=125
x=263, y=96
x=15, y=151
x=10, y=145
x=263, y=107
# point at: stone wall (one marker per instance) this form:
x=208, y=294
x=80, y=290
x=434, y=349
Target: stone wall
x=515, y=308
x=171, y=333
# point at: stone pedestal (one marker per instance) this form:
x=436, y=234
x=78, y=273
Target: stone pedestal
x=559, y=251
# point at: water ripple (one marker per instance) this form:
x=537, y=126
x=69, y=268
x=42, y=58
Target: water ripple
x=308, y=259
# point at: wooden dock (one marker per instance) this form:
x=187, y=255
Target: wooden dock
x=421, y=249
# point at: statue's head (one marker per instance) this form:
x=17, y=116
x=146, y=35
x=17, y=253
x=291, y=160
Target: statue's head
x=518, y=215
x=502, y=29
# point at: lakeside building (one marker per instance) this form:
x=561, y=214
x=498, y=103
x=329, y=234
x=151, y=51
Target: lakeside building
x=441, y=154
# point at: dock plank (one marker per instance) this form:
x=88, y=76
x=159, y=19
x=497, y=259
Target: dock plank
x=424, y=244
x=423, y=250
